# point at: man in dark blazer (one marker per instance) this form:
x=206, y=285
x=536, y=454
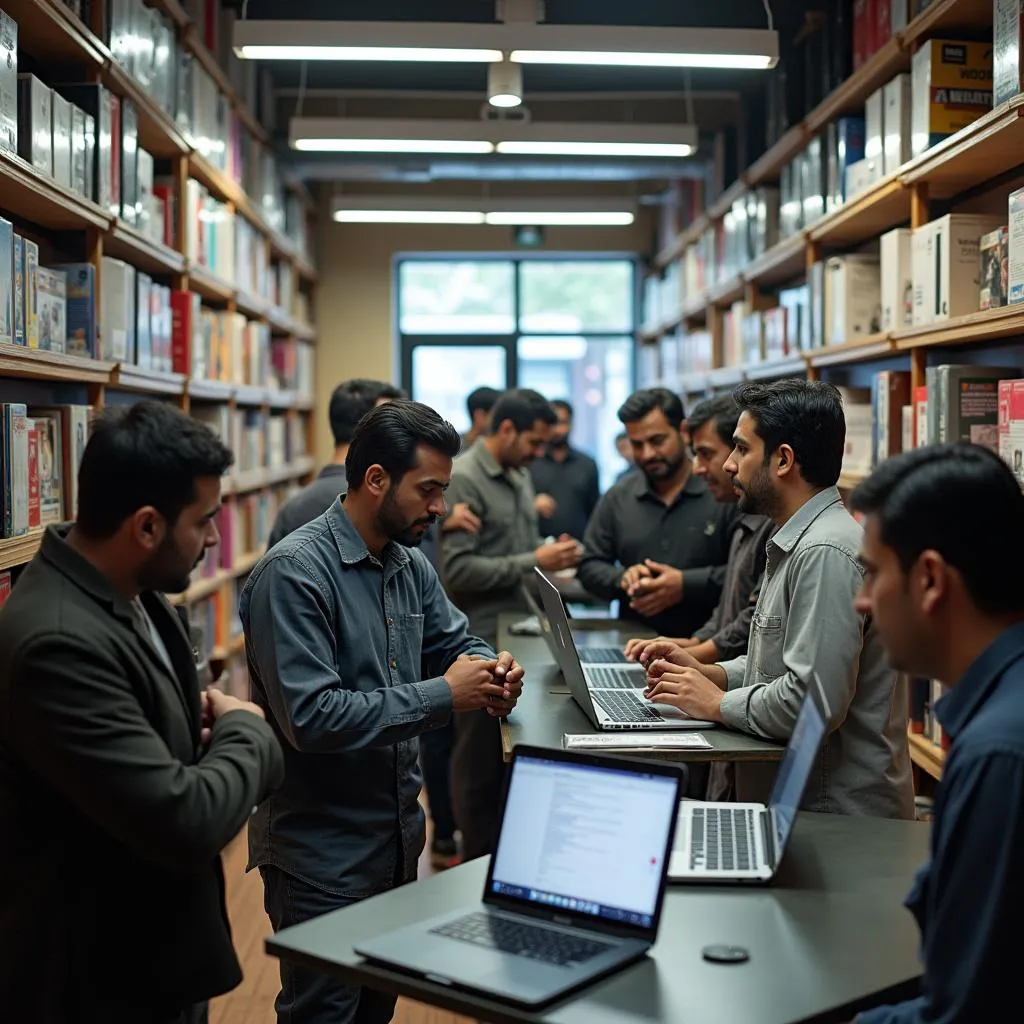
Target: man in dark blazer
x=120, y=782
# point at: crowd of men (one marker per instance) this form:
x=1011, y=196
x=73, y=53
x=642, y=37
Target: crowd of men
x=371, y=640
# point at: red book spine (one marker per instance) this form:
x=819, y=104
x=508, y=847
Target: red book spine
x=33, y=475
x=181, y=332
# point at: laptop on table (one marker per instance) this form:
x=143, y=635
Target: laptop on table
x=610, y=694
x=574, y=890
x=733, y=842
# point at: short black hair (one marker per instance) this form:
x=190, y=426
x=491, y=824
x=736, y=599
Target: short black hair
x=722, y=409
x=389, y=435
x=352, y=400
x=960, y=500
x=523, y=407
x=149, y=453
x=481, y=400
x=805, y=414
x=562, y=403
x=643, y=402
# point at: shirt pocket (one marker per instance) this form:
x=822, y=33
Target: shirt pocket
x=766, y=641
x=411, y=645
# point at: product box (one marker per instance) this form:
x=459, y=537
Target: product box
x=129, y=163
x=60, y=112
x=31, y=294
x=860, y=176
x=899, y=15
x=117, y=308
x=1015, y=247
x=924, y=273
x=957, y=240
x=81, y=307
x=993, y=268
x=814, y=184
x=813, y=331
x=896, y=256
x=52, y=308
x=763, y=219
x=951, y=87
x=19, y=289
x=963, y=403
x=1007, y=33
x=101, y=106
x=874, y=133
x=1011, y=425
x=845, y=140
x=143, y=319
x=853, y=298
x=146, y=218
x=78, y=177
x=35, y=123
x=791, y=205
x=14, y=470
x=861, y=33
x=8, y=83
x=6, y=282
x=89, y=125
x=776, y=340
x=896, y=118
x=890, y=394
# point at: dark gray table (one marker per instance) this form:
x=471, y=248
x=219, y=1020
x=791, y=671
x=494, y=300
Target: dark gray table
x=546, y=712
x=829, y=938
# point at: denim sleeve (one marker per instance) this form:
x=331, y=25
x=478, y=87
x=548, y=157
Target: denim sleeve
x=973, y=895
x=445, y=629
x=291, y=642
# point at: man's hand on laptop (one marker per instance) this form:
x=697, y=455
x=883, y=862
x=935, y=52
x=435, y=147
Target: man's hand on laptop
x=666, y=650
x=636, y=647
x=563, y=553
x=684, y=688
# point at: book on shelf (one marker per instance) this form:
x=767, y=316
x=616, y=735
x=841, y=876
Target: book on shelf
x=963, y=403
x=5, y=586
x=1011, y=425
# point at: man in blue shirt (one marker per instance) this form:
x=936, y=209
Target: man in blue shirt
x=354, y=651
x=943, y=571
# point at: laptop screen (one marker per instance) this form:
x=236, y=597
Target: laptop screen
x=585, y=839
x=795, y=769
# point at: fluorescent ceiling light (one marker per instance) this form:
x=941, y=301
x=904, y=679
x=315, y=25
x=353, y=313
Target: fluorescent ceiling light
x=390, y=135
x=571, y=211
x=527, y=43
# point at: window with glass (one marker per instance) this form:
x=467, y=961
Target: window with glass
x=562, y=326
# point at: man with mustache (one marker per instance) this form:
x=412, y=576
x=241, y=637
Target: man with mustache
x=355, y=651
x=658, y=541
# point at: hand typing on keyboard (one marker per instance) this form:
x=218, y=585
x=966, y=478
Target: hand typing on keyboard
x=686, y=689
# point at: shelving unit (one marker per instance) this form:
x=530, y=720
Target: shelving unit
x=985, y=152
x=53, y=37
x=928, y=756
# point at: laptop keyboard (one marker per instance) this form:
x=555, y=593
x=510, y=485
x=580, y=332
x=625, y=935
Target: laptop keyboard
x=614, y=678
x=600, y=655
x=521, y=939
x=624, y=707
x=723, y=839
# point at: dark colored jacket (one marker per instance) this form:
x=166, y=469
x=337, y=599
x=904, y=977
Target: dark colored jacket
x=313, y=500
x=112, y=814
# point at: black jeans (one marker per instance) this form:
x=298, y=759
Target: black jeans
x=310, y=996
x=478, y=779
x=436, y=758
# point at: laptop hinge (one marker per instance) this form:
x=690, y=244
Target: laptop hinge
x=768, y=836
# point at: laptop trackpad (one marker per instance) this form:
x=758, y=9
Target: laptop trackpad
x=666, y=710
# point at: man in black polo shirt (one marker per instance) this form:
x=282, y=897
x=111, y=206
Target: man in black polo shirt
x=658, y=542
x=567, y=478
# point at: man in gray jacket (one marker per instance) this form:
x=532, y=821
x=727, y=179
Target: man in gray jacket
x=786, y=461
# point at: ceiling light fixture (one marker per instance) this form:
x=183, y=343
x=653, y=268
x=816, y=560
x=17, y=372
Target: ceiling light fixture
x=504, y=84
x=524, y=42
x=388, y=135
x=570, y=212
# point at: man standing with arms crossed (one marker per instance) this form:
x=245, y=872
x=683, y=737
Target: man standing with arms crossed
x=483, y=573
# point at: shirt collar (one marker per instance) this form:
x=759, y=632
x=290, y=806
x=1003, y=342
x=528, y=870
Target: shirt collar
x=751, y=521
x=643, y=491
x=963, y=701
x=488, y=462
x=351, y=545
x=794, y=528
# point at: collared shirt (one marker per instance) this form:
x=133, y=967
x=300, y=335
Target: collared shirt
x=969, y=899
x=631, y=523
x=805, y=623
x=313, y=500
x=483, y=571
x=729, y=625
x=346, y=653
x=574, y=485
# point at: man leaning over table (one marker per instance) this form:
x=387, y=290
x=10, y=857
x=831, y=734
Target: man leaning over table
x=786, y=461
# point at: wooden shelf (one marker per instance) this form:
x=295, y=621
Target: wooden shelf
x=247, y=395
x=780, y=264
x=775, y=369
x=305, y=268
x=55, y=36
x=252, y=307
x=134, y=378
x=125, y=243
x=872, y=213
x=19, y=550
x=158, y=134
x=39, y=364
x=30, y=196
x=768, y=166
x=726, y=292
x=209, y=285
x=985, y=325
x=210, y=390
x=849, y=98
x=725, y=377
x=928, y=756
x=949, y=18
x=859, y=350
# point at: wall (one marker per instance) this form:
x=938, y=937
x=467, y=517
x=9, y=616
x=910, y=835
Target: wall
x=354, y=315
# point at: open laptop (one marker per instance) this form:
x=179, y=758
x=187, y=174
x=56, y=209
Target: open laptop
x=610, y=695
x=732, y=842
x=574, y=890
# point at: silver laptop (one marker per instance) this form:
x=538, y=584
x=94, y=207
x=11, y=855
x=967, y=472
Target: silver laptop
x=574, y=890
x=732, y=842
x=611, y=695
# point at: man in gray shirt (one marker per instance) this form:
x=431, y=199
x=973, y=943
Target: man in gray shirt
x=788, y=454
x=483, y=572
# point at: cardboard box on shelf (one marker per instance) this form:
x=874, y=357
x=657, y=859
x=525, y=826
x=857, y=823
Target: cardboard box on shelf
x=993, y=269
x=8, y=83
x=1007, y=39
x=896, y=254
x=35, y=125
x=853, y=297
x=874, y=133
x=951, y=87
x=896, y=95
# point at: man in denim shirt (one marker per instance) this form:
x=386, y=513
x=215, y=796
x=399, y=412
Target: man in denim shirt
x=943, y=570
x=354, y=651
